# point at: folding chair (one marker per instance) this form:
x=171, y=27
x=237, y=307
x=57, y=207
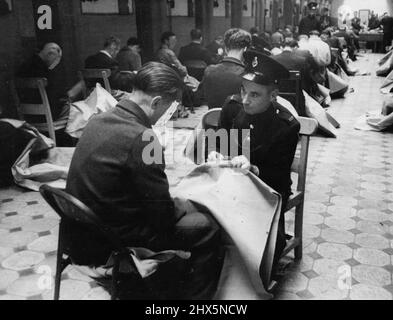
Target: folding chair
x=40, y=109
x=291, y=89
x=299, y=166
x=96, y=75
x=71, y=209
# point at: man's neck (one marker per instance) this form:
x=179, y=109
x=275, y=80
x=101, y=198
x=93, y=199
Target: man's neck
x=141, y=100
x=236, y=54
x=196, y=41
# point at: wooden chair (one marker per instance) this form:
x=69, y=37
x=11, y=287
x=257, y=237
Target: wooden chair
x=299, y=166
x=291, y=89
x=37, y=109
x=96, y=75
x=71, y=209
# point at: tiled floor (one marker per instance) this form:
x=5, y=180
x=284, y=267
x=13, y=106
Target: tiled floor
x=348, y=223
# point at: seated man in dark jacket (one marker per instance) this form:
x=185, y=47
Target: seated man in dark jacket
x=197, y=53
x=222, y=80
x=105, y=59
x=118, y=171
x=43, y=65
x=129, y=57
x=274, y=132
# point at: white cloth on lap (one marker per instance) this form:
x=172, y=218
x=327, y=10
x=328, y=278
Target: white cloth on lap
x=81, y=112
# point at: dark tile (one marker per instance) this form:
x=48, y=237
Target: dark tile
x=387, y=223
x=50, y=254
x=38, y=217
x=7, y=200
x=26, y=272
x=10, y=214
x=388, y=236
x=389, y=288
x=319, y=240
x=19, y=249
x=355, y=231
x=315, y=256
x=353, y=246
x=388, y=251
x=311, y=274
x=3, y=292
x=356, y=219
x=305, y=294
x=352, y=262
x=357, y=208
x=30, y=203
x=44, y=233
x=389, y=268
x=15, y=230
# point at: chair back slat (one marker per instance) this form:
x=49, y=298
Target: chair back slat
x=94, y=74
x=295, y=88
x=307, y=128
x=211, y=119
x=25, y=108
x=71, y=209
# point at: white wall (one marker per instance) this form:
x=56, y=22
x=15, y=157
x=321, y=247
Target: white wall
x=378, y=6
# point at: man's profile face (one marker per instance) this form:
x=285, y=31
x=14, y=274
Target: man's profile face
x=313, y=12
x=172, y=42
x=256, y=98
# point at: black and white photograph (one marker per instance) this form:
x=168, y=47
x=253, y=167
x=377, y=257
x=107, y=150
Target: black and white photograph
x=224, y=151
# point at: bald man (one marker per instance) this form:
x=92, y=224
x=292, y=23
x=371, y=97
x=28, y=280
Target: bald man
x=43, y=65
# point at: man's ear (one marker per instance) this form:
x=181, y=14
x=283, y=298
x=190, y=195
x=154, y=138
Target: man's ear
x=156, y=102
x=274, y=94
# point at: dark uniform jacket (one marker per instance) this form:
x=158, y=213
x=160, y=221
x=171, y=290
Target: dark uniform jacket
x=102, y=61
x=308, y=24
x=273, y=140
x=108, y=174
x=221, y=81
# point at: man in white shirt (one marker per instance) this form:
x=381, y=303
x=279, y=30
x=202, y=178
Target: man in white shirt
x=319, y=50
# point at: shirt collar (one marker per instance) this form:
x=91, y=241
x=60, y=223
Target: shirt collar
x=106, y=53
x=131, y=107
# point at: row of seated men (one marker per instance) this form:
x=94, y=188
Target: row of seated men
x=121, y=62
x=108, y=172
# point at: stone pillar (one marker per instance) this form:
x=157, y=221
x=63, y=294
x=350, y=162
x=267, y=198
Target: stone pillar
x=151, y=22
x=237, y=13
x=203, y=18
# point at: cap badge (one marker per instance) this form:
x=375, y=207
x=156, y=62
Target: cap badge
x=255, y=62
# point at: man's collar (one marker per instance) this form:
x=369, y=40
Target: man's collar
x=233, y=60
x=132, y=108
x=106, y=53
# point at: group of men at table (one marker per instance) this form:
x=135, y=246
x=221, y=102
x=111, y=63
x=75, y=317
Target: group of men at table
x=110, y=175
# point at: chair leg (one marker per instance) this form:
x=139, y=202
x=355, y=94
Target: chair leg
x=299, y=231
x=115, y=273
x=59, y=267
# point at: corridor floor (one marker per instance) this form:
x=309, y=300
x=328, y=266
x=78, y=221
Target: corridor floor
x=348, y=227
